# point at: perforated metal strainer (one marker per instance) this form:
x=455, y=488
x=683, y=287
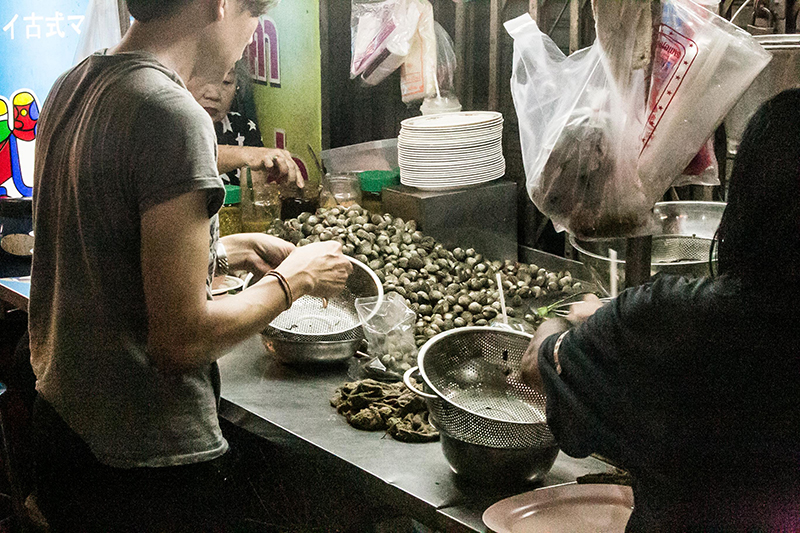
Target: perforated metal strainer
x=308, y=320
x=681, y=245
x=479, y=397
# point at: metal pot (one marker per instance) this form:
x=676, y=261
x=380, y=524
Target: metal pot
x=492, y=424
x=309, y=333
x=681, y=243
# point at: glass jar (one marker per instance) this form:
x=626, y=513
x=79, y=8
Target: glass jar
x=230, y=214
x=340, y=189
x=261, y=202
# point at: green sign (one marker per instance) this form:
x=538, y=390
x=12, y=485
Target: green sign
x=285, y=65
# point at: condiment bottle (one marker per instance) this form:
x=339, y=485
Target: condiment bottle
x=295, y=200
x=261, y=201
x=230, y=214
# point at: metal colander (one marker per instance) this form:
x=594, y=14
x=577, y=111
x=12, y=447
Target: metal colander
x=479, y=397
x=308, y=321
x=681, y=245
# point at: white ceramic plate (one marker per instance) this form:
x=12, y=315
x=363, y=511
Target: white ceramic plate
x=425, y=164
x=222, y=285
x=449, y=183
x=406, y=136
x=451, y=120
x=451, y=171
x=438, y=182
x=450, y=151
x=570, y=508
x=447, y=148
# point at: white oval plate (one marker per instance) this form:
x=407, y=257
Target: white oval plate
x=451, y=120
x=229, y=283
x=573, y=508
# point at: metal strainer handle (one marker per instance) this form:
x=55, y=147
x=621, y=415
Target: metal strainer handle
x=412, y=388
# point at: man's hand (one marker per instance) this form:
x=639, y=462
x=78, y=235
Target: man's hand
x=529, y=366
x=581, y=311
x=255, y=252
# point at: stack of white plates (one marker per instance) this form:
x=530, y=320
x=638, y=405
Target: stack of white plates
x=451, y=149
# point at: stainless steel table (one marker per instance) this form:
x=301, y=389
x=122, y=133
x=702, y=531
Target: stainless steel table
x=291, y=406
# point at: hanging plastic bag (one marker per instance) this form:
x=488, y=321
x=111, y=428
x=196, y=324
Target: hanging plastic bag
x=390, y=335
x=445, y=99
x=593, y=164
x=101, y=29
x=702, y=170
x=579, y=128
x=381, y=33
x=702, y=66
x=418, y=72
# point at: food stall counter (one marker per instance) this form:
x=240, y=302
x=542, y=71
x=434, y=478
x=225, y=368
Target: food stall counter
x=292, y=406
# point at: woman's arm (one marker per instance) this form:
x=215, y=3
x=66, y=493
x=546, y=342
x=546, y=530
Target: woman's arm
x=276, y=163
x=184, y=328
x=578, y=314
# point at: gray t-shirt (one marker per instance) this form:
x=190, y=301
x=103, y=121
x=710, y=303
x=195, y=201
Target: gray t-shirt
x=118, y=135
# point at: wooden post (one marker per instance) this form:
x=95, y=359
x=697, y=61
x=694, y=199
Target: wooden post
x=495, y=27
x=533, y=9
x=124, y=17
x=638, y=255
x=574, y=25
x=460, y=43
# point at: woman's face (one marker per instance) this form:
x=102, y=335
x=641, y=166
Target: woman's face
x=216, y=98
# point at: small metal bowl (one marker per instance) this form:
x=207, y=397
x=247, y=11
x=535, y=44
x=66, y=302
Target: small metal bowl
x=295, y=352
x=310, y=332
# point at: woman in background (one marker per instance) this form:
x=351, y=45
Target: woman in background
x=238, y=138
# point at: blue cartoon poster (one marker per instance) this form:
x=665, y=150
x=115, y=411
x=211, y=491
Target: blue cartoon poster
x=38, y=40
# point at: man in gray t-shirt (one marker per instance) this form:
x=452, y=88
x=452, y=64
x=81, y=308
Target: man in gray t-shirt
x=123, y=336
x=138, y=140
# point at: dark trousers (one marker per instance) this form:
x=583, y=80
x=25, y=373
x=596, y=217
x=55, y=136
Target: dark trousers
x=79, y=494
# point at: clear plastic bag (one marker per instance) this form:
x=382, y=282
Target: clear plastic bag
x=390, y=336
x=381, y=34
x=579, y=128
x=598, y=155
x=445, y=99
x=418, y=72
x=702, y=66
x=702, y=170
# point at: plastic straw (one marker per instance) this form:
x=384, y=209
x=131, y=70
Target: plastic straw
x=502, y=299
x=612, y=283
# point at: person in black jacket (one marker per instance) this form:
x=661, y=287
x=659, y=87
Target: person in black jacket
x=692, y=384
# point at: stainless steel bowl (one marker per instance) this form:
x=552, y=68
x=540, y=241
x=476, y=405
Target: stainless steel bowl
x=295, y=352
x=680, y=246
x=485, y=465
x=492, y=424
